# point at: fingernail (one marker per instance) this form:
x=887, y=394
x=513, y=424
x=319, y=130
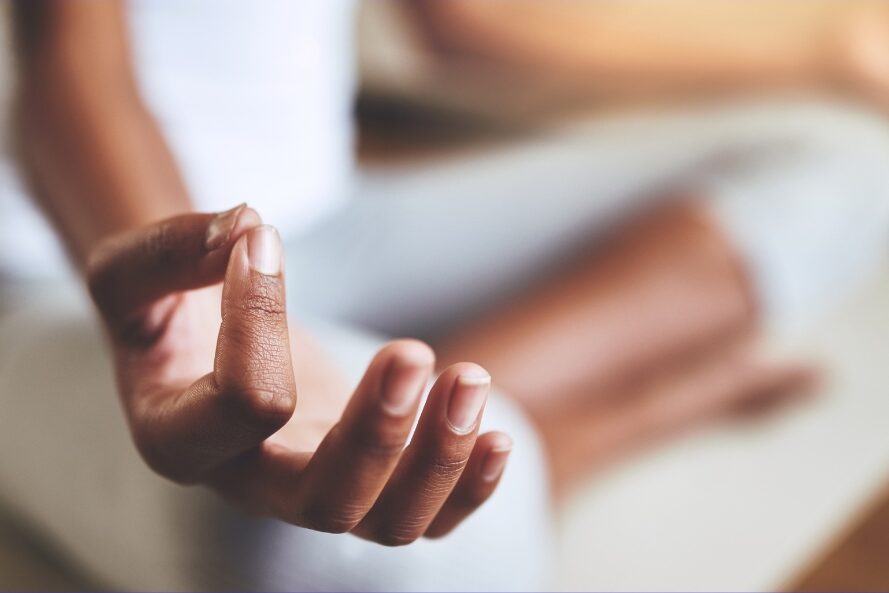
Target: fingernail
x=402, y=388
x=467, y=399
x=495, y=462
x=221, y=227
x=264, y=250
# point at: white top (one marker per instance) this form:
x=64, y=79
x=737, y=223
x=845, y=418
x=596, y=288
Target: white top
x=254, y=99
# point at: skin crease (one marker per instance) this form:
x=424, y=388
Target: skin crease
x=103, y=173
x=227, y=420
x=316, y=371
x=100, y=167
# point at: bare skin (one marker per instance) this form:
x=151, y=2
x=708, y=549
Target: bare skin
x=652, y=335
x=732, y=382
x=635, y=49
x=94, y=154
x=211, y=398
x=661, y=288
x=656, y=313
x=104, y=174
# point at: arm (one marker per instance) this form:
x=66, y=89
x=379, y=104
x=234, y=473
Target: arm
x=636, y=46
x=212, y=400
x=94, y=156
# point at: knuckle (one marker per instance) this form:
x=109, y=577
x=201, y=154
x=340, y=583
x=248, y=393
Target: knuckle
x=332, y=520
x=159, y=246
x=438, y=534
x=440, y=528
x=448, y=467
x=95, y=266
x=264, y=300
x=261, y=404
x=446, y=464
x=160, y=463
x=152, y=457
x=98, y=273
x=260, y=343
x=397, y=536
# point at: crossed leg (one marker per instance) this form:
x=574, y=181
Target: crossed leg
x=652, y=334
x=483, y=267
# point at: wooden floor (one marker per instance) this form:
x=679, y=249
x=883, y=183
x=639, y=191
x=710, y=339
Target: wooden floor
x=858, y=563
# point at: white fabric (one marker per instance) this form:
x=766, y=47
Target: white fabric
x=801, y=189
x=254, y=99
x=413, y=253
x=69, y=471
x=809, y=213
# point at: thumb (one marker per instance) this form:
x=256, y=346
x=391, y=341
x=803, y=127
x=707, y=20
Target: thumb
x=250, y=393
x=253, y=362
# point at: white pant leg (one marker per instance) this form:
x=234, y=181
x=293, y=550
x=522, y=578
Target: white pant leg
x=809, y=215
x=69, y=469
x=422, y=248
x=66, y=464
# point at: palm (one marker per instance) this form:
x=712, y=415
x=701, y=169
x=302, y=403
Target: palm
x=189, y=343
x=322, y=392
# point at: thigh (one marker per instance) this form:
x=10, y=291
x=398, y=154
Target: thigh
x=67, y=467
x=69, y=471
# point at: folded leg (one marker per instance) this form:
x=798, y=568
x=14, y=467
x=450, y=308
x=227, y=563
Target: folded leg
x=68, y=470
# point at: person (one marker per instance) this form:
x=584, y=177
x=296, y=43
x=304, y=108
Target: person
x=210, y=399
x=679, y=53
x=119, y=155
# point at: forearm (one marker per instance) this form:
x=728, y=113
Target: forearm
x=649, y=47
x=93, y=154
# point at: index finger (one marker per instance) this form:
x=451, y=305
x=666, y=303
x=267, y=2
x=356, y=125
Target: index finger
x=130, y=271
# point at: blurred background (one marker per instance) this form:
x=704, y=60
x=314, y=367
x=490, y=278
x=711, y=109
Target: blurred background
x=767, y=117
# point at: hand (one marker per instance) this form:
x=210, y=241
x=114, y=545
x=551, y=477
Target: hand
x=197, y=417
